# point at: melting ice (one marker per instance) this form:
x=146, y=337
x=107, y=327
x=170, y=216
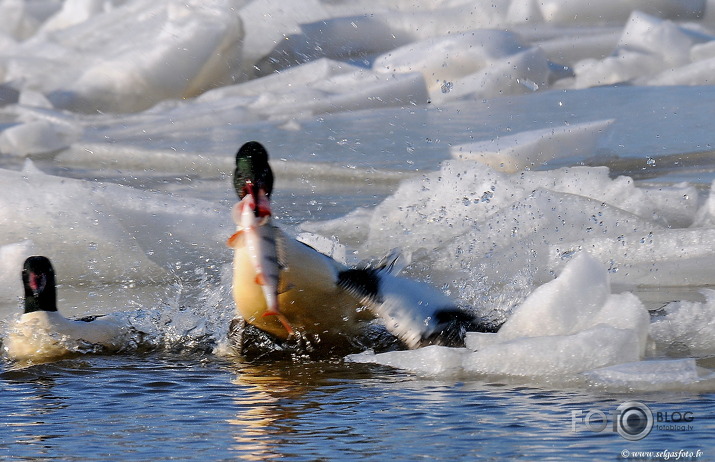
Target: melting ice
x=548, y=164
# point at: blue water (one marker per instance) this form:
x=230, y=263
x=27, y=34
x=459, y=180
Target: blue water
x=163, y=406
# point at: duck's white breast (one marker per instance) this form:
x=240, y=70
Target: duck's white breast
x=47, y=334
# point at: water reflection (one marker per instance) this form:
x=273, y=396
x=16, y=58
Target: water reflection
x=278, y=403
x=258, y=417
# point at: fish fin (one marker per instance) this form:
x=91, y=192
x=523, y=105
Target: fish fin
x=236, y=211
x=281, y=318
x=285, y=289
x=260, y=280
x=235, y=239
x=363, y=283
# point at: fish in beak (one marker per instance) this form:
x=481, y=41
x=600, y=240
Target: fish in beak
x=256, y=263
x=256, y=259
x=280, y=285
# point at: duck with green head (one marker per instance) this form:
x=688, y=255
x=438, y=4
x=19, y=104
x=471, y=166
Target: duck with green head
x=287, y=288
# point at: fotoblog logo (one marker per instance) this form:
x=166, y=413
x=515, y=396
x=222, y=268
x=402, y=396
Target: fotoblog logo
x=632, y=420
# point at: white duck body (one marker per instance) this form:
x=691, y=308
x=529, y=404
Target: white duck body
x=309, y=296
x=411, y=310
x=46, y=335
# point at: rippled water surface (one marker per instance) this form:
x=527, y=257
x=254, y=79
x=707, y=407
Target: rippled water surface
x=193, y=407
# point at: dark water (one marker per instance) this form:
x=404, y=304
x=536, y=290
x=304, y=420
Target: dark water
x=164, y=406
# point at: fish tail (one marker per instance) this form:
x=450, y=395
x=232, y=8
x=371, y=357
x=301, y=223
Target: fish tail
x=282, y=320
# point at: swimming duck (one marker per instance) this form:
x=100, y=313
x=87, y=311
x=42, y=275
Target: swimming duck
x=288, y=289
x=42, y=333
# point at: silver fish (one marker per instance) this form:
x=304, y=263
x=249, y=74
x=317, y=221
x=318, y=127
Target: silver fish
x=256, y=266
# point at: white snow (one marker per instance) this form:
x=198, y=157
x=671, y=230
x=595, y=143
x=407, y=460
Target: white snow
x=687, y=327
x=535, y=148
x=13, y=256
x=98, y=232
x=36, y=137
x=477, y=63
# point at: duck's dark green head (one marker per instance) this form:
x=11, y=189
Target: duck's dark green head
x=252, y=173
x=38, y=277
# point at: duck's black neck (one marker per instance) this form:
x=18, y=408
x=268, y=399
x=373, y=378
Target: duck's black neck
x=42, y=301
x=38, y=278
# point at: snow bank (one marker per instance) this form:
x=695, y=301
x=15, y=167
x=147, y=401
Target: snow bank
x=266, y=24
x=570, y=329
x=103, y=233
x=569, y=325
x=477, y=63
x=462, y=50
x=325, y=86
x=506, y=234
x=200, y=41
x=650, y=51
x=194, y=47
x=706, y=215
x=577, y=300
x=535, y=148
x=687, y=328
x=268, y=60
x=20, y=20
x=583, y=11
x=574, y=328
x=37, y=137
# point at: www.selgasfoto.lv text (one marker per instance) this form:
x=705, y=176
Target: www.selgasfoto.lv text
x=681, y=454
